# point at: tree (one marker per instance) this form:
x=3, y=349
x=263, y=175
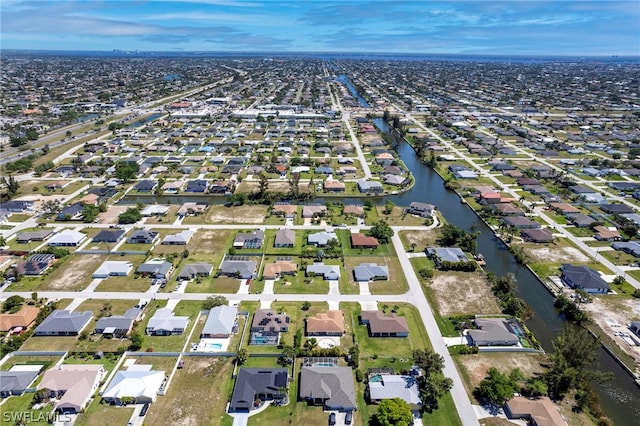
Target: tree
x=136, y=341
x=432, y=385
x=13, y=304
x=242, y=356
x=382, y=231
x=536, y=388
x=213, y=301
x=132, y=215
x=126, y=171
x=89, y=213
x=13, y=186
x=393, y=412
x=263, y=184
x=388, y=207
x=496, y=388
x=572, y=361
x=306, y=305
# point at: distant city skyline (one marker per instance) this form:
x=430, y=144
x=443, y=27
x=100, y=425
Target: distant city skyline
x=574, y=28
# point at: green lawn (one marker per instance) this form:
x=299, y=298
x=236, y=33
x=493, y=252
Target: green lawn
x=221, y=284
x=344, y=236
x=173, y=343
x=396, y=284
x=299, y=284
x=16, y=408
x=398, y=218
x=96, y=413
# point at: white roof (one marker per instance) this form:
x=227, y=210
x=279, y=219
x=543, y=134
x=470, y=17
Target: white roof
x=26, y=367
x=68, y=236
x=395, y=386
x=109, y=267
x=154, y=209
x=135, y=383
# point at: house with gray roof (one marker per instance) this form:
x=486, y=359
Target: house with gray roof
x=63, y=323
x=18, y=379
x=328, y=272
x=629, y=247
x=370, y=272
x=238, y=266
x=321, y=239
x=142, y=236
x=421, y=209
x=447, y=254
x=36, y=264
x=285, y=237
x=331, y=387
x=221, y=322
x=165, y=323
x=389, y=386
x=258, y=384
x=194, y=270
x=370, y=187
x=253, y=239
x=179, y=239
x=380, y=325
x=493, y=332
x=119, y=325
x=27, y=237
x=583, y=278
x=109, y=236
x=156, y=268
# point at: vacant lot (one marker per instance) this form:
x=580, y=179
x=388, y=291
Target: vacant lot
x=191, y=398
x=475, y=367
x=422, y=239
x=238, y=214
x=555, y=254
x=74, y=274
x=112, y=213
x=398, y=217
x=459, y=293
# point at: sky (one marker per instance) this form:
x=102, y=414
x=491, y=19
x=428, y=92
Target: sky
x=577, y=28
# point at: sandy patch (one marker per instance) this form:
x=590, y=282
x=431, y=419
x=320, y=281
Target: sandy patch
x=556, y=255
x=76, y=271
x=112, y=213
x=614, y=315
x=241, y=214
x=477, y=365
x=463, y=293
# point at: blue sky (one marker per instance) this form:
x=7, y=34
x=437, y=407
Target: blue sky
x=478, y=27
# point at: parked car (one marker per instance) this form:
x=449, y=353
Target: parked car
x=144, y=410
x=332, y=418
x=348, y=418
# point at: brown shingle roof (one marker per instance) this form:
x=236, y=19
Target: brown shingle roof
x=329, y=322
x=379, y=323
x=23, y=318
x=278, y=268
x=361, y=240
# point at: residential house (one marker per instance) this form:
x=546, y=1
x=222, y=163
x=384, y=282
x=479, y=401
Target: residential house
x=328, y=272
x=143, y=236
x=521, y=222
x=72, y=385
x=256, y=385
x=330, y=323
x=321, y=239
x=156, y=268
x=370, y=272
x=194, y=270
x=421, y=209
x=238, y=266
x=197, y=185
x=275, y=270
x=629, y=247
x=29, y=236
x=71, y=212
x=602, y=233
x=165, y=323
x=331, y=185
x=583, y=278
x=539, y=411
x=616, y=208
x=179, y=239
x=19, y=321
x=154, y=210
x=389, y=386
x=63, y=323
x=139, y=382
x=146, y=186
x=581, y=220
x=564, y=208
x=331, y=387
x=66, y=238
x=113, y=268
x=537, y=235
x=446, y=254
x=370, y=187
x=109, y=236
x=506, y=209
x=119, y=326
x=313, y=211
x=493, y=332
x=36, y=264
x=353, y=210
x=395, y=180
x=287, y=210
x=359, y=240
x=192, y=209
x=18, y=379
x=251, y=240
x=267, y=326
x=221, y=322
x=285, y=237
x=380, y=325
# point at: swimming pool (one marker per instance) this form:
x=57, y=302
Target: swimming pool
x=324, y=364
x=213, y=346
x=376, y=378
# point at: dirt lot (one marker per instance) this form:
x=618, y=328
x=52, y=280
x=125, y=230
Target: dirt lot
x=112, y=213
x=422, y=239
x=463, y=293
x=613, y=315
x=191, y=399
x=74, y=272
x=477, y=365
x=240, y=214
x=556, y=255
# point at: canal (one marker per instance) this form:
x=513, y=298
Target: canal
x=619, y=397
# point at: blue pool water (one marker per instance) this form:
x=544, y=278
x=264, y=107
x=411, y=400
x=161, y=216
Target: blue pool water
x=213, y=346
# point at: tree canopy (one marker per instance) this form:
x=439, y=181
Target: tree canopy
x=453, y=236
x=213, y=301
x=393, y=412
x=132, y=215
x=382, y=231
